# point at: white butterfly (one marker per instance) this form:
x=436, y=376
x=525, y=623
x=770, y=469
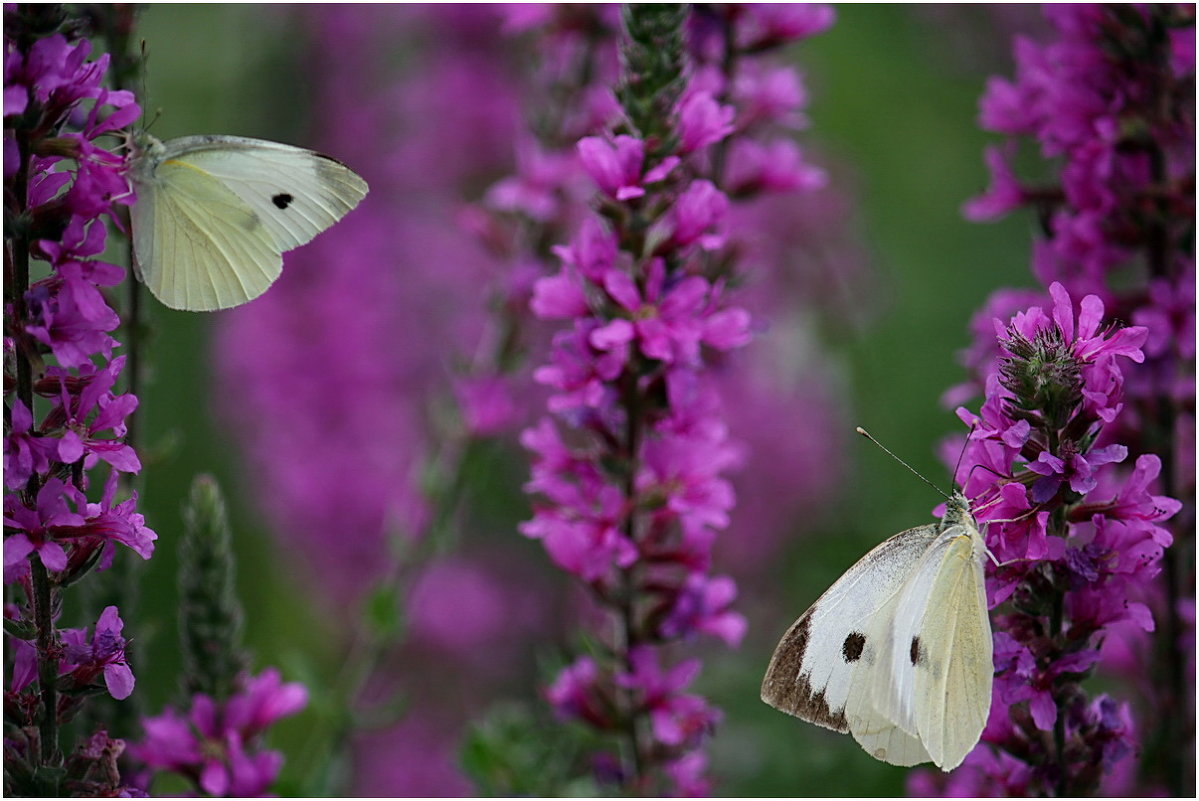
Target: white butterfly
x=898, y=651
x=214, y=214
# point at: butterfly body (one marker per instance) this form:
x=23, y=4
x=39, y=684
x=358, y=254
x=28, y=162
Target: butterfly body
x=897, y=651
x=214, y=214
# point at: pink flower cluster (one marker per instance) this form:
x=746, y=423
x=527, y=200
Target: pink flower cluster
x=66, y=316
x=84, y=658
x=1079, y=538
x=217, y=744
x=1118, y=120
x=60, y=186
x=628, y=474
x=375, y=444
x=1083, y=445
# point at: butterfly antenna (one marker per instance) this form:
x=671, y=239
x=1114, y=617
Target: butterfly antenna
x=913, y=470
x=144, y=98
x=962, y=454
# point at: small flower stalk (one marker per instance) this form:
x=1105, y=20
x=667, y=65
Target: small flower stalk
x=210, y=616
x=1078, y=453
x=218, y=744
x=629, y=471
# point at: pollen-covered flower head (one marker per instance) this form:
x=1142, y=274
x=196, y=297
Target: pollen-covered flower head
x=1052, y=367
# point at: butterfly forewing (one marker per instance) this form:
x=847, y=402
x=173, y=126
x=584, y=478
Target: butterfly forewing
x=297, y=193
x=814, y=669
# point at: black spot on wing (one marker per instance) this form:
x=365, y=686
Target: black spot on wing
x=851, y=650
x=282, y=200
x=915, y=653
x=787, y=689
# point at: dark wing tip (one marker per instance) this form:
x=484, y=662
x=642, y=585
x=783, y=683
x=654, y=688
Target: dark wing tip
x=786, y=688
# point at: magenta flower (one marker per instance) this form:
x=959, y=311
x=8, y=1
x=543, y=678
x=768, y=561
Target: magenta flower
x=84, y=658
x=704, y=605
x=763, y=25
x=573, y=693
x=216, y=744
x=103, y=653
x=668, y=324
x=616, y=165
x=770, y=96
x=70, y=317
x=559, y=297
x=689, y=775
x=24, y=452
x=36, y=529
x=93, y=399
x=1004, y=194
x=678, y=719
x=778, y=166
x=582, y=531
x=698, y=216
x=702, y=121
x=1076, y=470
x=536, y=188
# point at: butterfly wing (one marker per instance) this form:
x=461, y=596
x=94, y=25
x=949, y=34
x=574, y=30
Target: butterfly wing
x=215, y=213
x=297, y=193
x=197, y=246
x=822, y=670
x=938, y=647
x=876, y=733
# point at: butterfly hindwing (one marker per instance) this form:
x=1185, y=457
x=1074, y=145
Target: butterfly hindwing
x=197, y=246
x=817, y=665
x=878, y=735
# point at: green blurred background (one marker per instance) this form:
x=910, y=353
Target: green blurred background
x=895, y=91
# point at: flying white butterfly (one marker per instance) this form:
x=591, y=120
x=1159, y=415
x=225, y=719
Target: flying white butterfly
x=898, y=650
x=214, y=214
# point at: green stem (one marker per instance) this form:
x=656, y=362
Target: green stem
x=47, y=660
x=369, y=647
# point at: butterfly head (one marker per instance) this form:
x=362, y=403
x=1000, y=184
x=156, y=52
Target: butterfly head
x=957, y=511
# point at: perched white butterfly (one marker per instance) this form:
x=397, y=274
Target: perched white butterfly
x=214, y=214
x=898, y=651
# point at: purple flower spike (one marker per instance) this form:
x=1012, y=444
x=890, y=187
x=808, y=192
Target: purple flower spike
x=630, y=472
x=1078, y=404
x=65, y=418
